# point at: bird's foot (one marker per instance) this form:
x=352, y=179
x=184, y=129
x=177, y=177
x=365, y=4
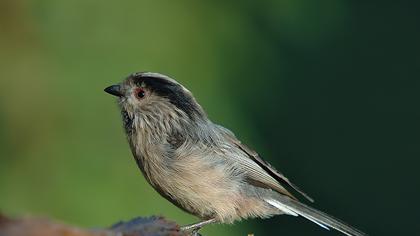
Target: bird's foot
x=194, y=228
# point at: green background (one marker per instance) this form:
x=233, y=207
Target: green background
x=328, y=91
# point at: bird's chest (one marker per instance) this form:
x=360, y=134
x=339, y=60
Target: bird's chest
x=190, y=181
x=152, y=161
x=170, y=182
x=195, y=181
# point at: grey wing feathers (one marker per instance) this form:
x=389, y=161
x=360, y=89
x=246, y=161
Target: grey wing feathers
x=273, y=172
x=263, y=173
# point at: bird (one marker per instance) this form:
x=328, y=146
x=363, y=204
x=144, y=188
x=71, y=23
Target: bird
x=200, y=166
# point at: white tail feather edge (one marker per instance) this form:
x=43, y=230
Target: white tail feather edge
x=286, y=209
x=281, y=207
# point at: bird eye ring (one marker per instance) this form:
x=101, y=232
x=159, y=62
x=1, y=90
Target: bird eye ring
x=140, y=93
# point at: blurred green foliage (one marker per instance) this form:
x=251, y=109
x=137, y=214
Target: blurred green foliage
x=328, y=91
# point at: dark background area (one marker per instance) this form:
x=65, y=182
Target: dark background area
x=326, y=91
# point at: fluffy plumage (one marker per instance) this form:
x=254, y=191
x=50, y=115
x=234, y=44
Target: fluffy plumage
x=200, y=166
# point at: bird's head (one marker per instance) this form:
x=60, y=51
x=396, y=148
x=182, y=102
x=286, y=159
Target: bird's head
x=156, y=102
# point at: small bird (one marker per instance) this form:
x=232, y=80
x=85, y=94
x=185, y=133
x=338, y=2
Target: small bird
x=200, y=166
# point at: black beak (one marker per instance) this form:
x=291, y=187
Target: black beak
x=114, y=90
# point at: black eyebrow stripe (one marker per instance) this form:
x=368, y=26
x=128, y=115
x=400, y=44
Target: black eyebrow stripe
x=174, y=92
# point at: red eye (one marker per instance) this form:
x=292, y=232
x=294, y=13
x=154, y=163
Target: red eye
x=140, y=93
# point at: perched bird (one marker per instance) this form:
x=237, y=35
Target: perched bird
x=198, y=165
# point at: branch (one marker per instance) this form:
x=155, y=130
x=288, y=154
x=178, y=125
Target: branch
x=141, y=226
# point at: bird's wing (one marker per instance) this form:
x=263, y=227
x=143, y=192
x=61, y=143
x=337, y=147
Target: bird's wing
x=260, y=172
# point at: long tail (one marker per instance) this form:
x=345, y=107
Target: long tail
x=295, y=208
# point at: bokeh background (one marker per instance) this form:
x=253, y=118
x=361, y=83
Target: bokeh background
x=327, y=91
